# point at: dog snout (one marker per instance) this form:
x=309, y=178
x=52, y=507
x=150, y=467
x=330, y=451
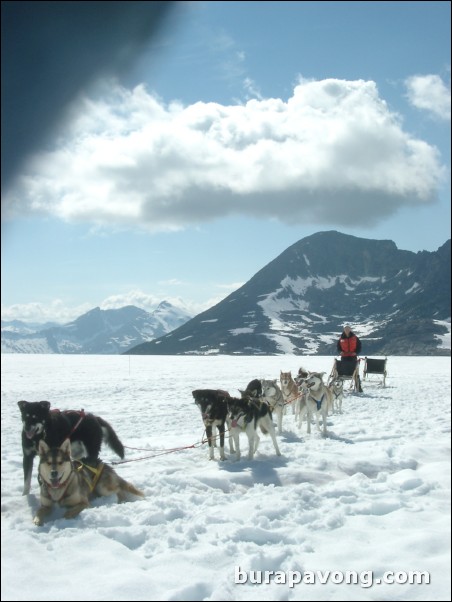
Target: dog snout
x=31, y=432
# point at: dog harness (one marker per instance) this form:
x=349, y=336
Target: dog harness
x=318, y=401
x=81, y=413
x=91, y=481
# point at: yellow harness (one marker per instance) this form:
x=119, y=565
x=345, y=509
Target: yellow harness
x=91, y=480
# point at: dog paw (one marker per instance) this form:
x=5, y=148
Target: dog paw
x=37, y=521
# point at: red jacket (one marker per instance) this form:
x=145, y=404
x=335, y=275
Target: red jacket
x=349, y=346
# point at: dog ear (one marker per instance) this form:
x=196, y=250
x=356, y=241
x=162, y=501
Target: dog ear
x=66, y=446
x=43, y=448
x=21, y=404
x=45, y=405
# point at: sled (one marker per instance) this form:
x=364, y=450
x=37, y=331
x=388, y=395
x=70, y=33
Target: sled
x=375, y=367
x=347, y=370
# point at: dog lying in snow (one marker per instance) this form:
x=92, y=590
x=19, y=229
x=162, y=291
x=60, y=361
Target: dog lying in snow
x=70, y=484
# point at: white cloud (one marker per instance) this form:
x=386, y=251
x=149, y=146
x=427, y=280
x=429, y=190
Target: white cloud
x=252, y=89
x=40, y=313
x=134, y=297
x=62, y=313
x=430, y=93
x=150, y=302
x=333, y=153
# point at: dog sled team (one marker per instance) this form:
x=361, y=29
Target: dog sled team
x=68, y=442
x=262, y=399
x=308, y=395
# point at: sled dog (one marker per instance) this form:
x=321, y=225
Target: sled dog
x=253, y=389
x=86, y=432
x=290, y=391
x=273, y=396
x=247, y=414
x=336, y=387
x=318, y=399
x=70, y=483
x=214, y=410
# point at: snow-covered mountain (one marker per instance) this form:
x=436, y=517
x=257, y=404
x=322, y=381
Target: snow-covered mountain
x=398, y=302
x=20, y=327
x=98, y=331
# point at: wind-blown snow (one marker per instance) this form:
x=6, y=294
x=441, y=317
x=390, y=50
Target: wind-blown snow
x=374, y=495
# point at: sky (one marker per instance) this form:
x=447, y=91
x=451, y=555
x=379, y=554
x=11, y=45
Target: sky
x=199, y=145
x=371, y=499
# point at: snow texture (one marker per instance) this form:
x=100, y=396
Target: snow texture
x=373, y=495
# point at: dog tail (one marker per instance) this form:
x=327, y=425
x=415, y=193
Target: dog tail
x=127, y=487
x=111, y=438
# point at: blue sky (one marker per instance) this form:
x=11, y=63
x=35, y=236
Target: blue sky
x=239, y=129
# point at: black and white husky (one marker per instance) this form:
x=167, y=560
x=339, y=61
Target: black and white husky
x=246, y=415
x=214, y=410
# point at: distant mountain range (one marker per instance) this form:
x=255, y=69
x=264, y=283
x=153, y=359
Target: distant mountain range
x=98, y=331
x=398, y=302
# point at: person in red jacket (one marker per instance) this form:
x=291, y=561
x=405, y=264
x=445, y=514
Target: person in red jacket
x=349, y=347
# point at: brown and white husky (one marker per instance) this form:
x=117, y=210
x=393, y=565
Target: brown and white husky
x=71, y=483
